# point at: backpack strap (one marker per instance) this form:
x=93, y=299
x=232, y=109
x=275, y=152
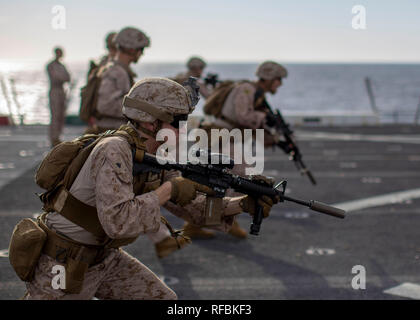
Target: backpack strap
x=80, y=213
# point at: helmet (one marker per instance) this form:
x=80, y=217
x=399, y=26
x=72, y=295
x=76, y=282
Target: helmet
x=58, y=49
x=270, y=70
x=131, y=38
x=160, y=98
x=109, y=40
x=196, y=62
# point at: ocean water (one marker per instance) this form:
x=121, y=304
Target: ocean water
x=310, y=89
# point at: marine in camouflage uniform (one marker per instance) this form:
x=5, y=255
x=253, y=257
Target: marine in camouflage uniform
x=243, y=109
x=106, y=182
x=58, y=75
x=117, y=78
x=195, y=66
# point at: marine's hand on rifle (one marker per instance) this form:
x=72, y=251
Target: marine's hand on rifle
x=248, y=205
x=184, y=190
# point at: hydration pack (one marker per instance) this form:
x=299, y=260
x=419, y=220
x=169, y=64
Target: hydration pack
x=89, y=93
x=214, y=103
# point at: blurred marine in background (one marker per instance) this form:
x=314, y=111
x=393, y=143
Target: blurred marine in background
x=195, y=66
x=240, y=105
x=58, y=75
x=101, y=98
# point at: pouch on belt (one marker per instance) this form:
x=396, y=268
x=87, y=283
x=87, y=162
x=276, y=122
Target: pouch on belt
x=25, y=248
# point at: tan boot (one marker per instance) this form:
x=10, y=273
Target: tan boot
x=195, y=232
x=237, y=231
x=169, y=245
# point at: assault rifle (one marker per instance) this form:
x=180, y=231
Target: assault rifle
x=217, y=178
x=289, y=146
x=276, y=121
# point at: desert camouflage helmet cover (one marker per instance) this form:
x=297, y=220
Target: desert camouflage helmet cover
x=131, y=38
x=270, y=70
x=196, y=62
x=159, y=98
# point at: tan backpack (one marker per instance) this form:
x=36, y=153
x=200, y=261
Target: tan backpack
x=62, y=164
x=214, y=103
x=89, y=93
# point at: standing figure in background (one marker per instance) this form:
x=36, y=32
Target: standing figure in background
x=58, y=75
x=117, y=78
x=195, y=67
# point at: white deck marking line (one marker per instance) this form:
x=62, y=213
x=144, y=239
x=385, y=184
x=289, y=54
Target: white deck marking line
x=4, y=253
x=359, y=137
x=390, y=198
x=405, y=290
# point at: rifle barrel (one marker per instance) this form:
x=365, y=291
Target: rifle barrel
x=319, y=207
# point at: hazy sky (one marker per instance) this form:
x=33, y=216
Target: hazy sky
x=229, y=30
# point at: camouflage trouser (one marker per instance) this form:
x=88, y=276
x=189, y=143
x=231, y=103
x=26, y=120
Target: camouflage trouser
x=58, y=113
x=118, y=276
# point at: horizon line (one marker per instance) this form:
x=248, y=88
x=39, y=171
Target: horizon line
x=75, y=61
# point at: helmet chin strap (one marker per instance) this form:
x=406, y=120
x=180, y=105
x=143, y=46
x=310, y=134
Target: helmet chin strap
x=147, y=131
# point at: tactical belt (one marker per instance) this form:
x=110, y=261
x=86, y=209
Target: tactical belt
x=60, y=247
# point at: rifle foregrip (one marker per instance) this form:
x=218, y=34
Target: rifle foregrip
x=256, y=221
x=325, y=208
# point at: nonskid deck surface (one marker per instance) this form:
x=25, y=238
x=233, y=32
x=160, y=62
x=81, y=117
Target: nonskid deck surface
x=373, y=172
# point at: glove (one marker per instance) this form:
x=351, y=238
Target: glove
x=184, y=190
x=248, y=205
